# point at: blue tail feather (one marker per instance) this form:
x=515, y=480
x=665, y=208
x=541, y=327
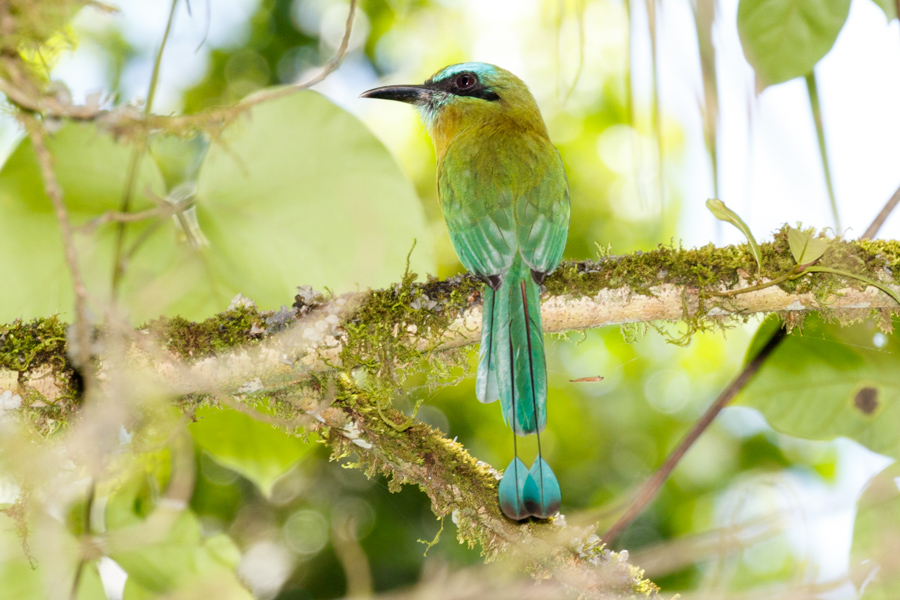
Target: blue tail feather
x=486, y=380
x=512, y=490
x=543, y=498
x=511, y=366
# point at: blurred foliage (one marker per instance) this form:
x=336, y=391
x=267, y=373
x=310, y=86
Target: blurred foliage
x=253, y=192
x=299, y=175
x=876, y=545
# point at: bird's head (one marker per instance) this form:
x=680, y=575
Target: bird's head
x=468, y=95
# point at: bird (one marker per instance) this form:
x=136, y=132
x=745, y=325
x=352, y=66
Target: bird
x=504, y=196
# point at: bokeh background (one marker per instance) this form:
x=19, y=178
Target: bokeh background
x=751, y=509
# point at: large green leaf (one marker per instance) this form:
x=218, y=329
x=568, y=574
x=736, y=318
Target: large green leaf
x=784, y=39
x=254, y=449
x=182, y=560
x=298, y=191
x=826, y=381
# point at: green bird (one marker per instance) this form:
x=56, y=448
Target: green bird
x=504, y=196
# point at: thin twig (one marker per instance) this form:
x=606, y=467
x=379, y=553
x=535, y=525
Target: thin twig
x=126, y=119
x=327, y=69
x=83, y=559
x=872, y=231
x=113, y=216
x=136, y=155
x=652, y=7
x=55, y=193
x=653, y=485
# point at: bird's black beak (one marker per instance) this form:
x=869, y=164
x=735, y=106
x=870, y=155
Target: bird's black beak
x=411, y=94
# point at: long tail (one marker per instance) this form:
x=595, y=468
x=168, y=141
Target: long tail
x=512, y=367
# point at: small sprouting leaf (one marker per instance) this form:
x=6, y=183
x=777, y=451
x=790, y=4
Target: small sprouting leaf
x=805, y=248
x=723, y=213
x=256, y=450
x=177, y=159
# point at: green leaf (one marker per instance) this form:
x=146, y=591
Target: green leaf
x=296, y=192
x=874, y=549
x=133, y=499
x=723, y=213
x=825, y=381
x=91, y=169
x=889, y=7
x=53, y=562
x=182, y=560
x=805, y=248
x=258, y=451
x=160, y=565
x=300, y=192
x=784, y=39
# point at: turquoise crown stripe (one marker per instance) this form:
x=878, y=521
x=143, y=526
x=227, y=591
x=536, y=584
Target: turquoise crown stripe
x=479, y=68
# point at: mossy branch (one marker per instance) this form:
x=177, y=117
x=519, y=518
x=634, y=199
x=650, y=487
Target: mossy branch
x=462, y=488
x=301, y=362
x=386, y=330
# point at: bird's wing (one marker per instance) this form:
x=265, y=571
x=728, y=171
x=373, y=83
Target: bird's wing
x=542, y=217
x=479, y=216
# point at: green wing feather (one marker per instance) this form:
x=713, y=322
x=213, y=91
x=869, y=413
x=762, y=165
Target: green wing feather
x=542, y=218
x=481, y=222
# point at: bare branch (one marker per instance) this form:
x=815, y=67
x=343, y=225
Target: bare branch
x=55, y=193
x=654, y=483
x=886, y=211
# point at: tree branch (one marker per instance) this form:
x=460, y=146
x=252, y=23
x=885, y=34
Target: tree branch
x=306, y=369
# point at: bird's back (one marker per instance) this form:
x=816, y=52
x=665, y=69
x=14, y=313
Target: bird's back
x=494, y=182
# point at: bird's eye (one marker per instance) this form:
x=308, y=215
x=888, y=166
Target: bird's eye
x=465, y=81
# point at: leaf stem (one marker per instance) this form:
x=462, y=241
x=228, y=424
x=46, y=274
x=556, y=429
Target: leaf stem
x=813, y=89
x=761, y=286
x=871, y=282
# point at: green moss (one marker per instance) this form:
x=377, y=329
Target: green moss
x=41, y=341
x=191, y=340
x=385, y=337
